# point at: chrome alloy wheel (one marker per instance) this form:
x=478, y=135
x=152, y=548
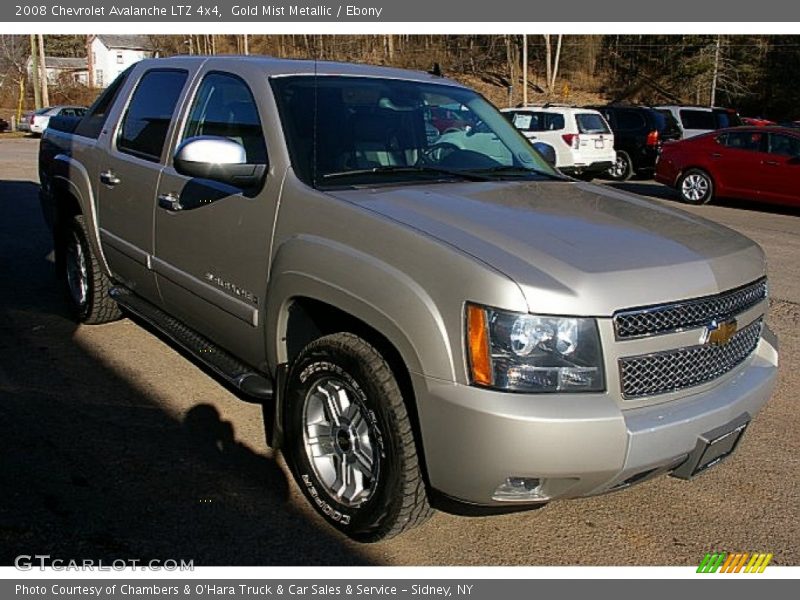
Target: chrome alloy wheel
x=341, y=442
x=695, y=187
x=77, y=276
x=620, y=167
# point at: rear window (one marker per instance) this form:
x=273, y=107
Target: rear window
x=591, y=123
x=630, y=120
x=697, y=119
x=537, y=121
x=725, y=118
x=95, y=117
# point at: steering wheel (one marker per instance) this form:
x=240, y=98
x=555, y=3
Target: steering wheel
x=435, y=153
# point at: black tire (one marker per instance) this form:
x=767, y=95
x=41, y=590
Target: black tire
x=85, y=284
x=394, y=499
x=622, y=169
x=696, y=187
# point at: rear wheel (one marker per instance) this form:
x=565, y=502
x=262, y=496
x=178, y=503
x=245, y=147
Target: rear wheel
x=696, y=187
x=349, y=440
x=85, y=283
x=622, y=169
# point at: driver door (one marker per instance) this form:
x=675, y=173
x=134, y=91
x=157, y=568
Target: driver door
x=212, y=239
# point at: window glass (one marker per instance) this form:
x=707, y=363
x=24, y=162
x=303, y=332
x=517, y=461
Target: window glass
x=591, y=123
x=784, y=145
x=630, y=120
x=742, y=140
x=224, y=107
x=357, y=131
x=92, y=123
x=146, y=122
x=698, y=119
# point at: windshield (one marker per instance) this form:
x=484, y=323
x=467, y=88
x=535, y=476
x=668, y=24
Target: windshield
x=359, y=130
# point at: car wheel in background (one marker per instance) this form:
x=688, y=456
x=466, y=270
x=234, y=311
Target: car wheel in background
x=695, y=187
x=622, y=169
x=350, y=444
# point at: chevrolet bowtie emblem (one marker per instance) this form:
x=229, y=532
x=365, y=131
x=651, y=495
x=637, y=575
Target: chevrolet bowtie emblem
x=719, y=333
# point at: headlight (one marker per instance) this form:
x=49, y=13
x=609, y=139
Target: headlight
x=531, y=353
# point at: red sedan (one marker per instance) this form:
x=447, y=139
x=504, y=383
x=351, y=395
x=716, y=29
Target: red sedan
x=754, y=163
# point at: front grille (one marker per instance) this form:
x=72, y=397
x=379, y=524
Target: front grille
x=672, y=370
x=666, y=318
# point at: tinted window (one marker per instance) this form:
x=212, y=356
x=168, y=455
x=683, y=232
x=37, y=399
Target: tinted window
x=591, y=123
x=630, y=120
x=224, y=107
x=697, y=119
x=92, y=124
x=784, y=145
x=726, y=118
x=742, y=140
x=146, y=122
x=530, y=120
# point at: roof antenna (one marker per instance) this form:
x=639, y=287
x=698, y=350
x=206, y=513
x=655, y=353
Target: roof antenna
x=436, y=70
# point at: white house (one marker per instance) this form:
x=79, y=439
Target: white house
x=58, y=68
x=110, y=55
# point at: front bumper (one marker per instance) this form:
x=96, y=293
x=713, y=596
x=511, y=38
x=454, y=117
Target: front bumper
x=577, y=445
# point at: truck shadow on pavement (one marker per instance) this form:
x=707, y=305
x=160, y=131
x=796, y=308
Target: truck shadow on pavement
x=93, y=466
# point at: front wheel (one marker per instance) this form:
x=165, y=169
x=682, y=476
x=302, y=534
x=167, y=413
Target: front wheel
x=350, y=444
x=696, y=187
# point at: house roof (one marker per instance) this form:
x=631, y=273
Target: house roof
x=62, y=63
x=126, y=42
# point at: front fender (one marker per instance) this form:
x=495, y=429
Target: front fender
x=369, y=289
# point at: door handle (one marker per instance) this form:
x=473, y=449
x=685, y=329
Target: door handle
x=716, y=155
x=109, y=178
x=771, y=163
x=170, y=202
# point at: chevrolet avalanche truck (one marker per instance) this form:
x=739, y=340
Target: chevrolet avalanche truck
x=427, y=322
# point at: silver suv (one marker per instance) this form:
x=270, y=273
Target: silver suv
x=428, y=320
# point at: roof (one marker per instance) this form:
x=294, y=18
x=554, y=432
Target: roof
x=63, y=63
x=126, y=42
x=276, y=67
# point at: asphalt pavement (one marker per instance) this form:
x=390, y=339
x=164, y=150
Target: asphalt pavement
x=114, y=445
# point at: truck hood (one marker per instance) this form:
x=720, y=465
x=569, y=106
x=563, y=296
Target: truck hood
x=573, y=247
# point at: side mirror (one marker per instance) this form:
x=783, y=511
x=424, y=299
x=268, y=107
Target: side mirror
x=547, y=152
x=219, y=159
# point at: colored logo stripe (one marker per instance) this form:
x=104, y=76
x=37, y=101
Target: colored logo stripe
x=734, y=563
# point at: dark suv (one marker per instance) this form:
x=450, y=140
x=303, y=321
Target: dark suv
x=638, y=134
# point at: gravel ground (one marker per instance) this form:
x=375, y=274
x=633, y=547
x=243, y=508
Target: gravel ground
x=114, y=445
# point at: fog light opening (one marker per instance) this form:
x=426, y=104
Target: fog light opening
x=520, y=489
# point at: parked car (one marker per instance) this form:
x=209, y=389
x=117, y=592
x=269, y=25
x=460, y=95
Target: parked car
x=424, y=324
x=36, y=122
x=638, y=134
x=4, y=125
x=757, y=122
x=754, y=163
x=694, y=120
x=581, y=138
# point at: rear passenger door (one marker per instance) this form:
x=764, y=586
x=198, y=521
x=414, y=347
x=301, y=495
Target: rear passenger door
x=129, y=174
x=213, y=239
x=781, y=169
x=738, y=163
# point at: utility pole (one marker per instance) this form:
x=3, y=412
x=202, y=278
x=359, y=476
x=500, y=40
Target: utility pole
x=246, y=44
x=716, y=73
x=35, y=80
x=43, y=72
x=525, y=69
x=90, y=61
x=555, y=62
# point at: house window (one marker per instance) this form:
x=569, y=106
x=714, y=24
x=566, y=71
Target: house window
x=99, y=77
x=94, y=57
x=119, y=58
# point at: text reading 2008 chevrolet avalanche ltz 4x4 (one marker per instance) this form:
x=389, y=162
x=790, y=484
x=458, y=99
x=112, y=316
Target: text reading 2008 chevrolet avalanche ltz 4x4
x=429, y=319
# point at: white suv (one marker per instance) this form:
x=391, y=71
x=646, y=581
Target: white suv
x=694, y=120
x=581, y=137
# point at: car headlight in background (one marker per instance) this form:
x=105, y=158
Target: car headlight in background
x=521, y=352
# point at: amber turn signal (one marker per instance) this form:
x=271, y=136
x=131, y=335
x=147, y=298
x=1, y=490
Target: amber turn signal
x=480, y=360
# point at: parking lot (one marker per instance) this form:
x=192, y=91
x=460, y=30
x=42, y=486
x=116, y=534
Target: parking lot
x=114, y=445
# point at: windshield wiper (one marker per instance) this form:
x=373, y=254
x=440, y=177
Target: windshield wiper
x=400, y=169
x=514, y=170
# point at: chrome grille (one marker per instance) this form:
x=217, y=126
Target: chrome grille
x=667, y=318
x=672, y=370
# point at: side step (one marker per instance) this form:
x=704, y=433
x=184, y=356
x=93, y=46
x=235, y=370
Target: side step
x=231, y=369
